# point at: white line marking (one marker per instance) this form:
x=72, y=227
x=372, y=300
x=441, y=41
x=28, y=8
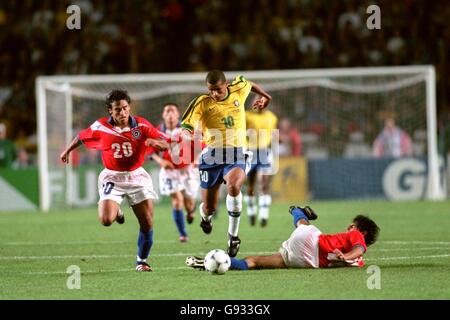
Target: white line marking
x=106, y=242
x=415, y=242
x=187, y=268
x=406, y=249
x=93, y=256
x=176, y=254
x=411, y=258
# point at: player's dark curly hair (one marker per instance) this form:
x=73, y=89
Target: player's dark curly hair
x=367, y=225
x=116, y=95
x=215, y=76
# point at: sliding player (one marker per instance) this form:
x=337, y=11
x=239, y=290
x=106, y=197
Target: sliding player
x=123, y=141
x=307, y=247
x=262, y=123
x=220, y=115
x=177, y=179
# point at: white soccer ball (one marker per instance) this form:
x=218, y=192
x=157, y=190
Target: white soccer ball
x=217, y=261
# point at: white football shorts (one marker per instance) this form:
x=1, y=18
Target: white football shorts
x=301, y=250
x=136, y=186
x=174, y=180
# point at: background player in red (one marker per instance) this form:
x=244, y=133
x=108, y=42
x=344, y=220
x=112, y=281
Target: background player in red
x=178, y=177
x=123, y=141
x=307, y=247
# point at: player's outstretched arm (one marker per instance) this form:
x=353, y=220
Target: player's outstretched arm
x=265, y=99
x=162, y=162
x=72, y=146
x=158, y=144
x=356, y=252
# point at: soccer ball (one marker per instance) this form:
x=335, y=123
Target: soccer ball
x=217, y=261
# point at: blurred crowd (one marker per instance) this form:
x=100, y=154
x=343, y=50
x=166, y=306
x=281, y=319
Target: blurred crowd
x=197, y=35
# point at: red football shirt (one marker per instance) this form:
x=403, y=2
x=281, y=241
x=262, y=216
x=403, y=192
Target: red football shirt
x=122, y=149
x=175, y=154
x=343, y=241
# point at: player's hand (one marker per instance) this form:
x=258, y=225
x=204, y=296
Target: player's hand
x=339, y=254
x=158, y=144
x=64, y=157
x=260, y=103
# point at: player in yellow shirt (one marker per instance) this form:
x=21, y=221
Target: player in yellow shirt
x=220, y=117
x=262, y=123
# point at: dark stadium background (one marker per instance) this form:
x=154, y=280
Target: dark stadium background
x=197, y=35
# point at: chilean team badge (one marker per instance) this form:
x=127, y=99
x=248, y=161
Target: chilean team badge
x=136, y=133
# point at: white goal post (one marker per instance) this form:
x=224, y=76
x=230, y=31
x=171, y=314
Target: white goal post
x=64, y=103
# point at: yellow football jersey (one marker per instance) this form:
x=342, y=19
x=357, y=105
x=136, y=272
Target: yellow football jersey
x=222, y=122
x=265, y=120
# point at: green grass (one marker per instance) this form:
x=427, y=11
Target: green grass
x=413, y=253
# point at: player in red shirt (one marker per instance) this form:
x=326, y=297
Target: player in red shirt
x=178, y=177
x=123, y=141
x=307, y=247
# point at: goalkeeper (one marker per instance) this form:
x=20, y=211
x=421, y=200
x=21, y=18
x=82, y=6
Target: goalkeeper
x=307, y=247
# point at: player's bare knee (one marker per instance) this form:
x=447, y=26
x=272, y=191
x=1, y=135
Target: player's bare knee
x=106, y=221
x=177, y=203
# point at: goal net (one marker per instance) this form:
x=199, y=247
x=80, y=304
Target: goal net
x=337, y=113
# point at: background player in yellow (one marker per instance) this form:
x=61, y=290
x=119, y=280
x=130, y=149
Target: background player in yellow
x=261, y=123
x=220, y=116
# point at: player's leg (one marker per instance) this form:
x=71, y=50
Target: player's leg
x=140, y=199
x=234, y=178
x=144, y=213
x=265, y=199
x=210, y=200
x=190, y=192
x=251, y=199
x=189, y=205
x=302, y=215
x=178, y=214
x=108, y=211
x=111, y=196
x=274, y=261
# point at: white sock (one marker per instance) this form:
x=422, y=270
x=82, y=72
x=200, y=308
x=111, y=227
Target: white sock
x=265, y=201
x=234, y=207
x=251, y=205
x=203, y=214
x=140, y=260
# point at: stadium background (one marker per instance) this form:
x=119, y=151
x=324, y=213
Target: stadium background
x=197, y=35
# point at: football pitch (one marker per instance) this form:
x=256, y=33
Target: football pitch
x=36, y=250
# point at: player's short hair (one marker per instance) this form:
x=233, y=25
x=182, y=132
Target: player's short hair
x=116, y=95
x=171, y=104
x=367, y=225
x=215, y=76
